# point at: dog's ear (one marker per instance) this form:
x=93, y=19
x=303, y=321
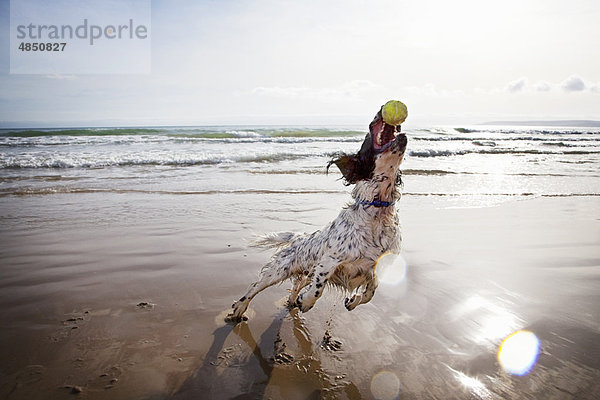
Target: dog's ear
x=358, y=166
x=347, y=166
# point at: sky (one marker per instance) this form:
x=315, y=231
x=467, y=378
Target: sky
x=332, y=62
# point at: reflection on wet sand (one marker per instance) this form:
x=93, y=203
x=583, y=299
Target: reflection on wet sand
x=473, y=385
x=454, y=328
x=289, y=376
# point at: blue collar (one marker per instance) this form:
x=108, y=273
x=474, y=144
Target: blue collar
x=375, y=203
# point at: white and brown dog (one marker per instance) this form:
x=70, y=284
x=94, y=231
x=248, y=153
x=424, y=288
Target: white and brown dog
x=345, y=252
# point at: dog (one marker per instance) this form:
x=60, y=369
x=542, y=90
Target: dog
x=344, y=253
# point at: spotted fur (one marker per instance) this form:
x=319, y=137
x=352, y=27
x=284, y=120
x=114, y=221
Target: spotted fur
x=343, y=254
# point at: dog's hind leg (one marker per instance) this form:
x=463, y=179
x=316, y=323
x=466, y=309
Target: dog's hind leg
x=322, y=272
x=269, y=276
x=357, y=299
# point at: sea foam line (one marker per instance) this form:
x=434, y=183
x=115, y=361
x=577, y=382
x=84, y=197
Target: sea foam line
x=75, y=190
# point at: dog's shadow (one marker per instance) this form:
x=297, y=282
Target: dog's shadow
x=301, y=375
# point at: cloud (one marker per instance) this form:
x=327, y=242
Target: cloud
x=543, y=86
x=517, y=86
x=573, y=84
x=352, y=90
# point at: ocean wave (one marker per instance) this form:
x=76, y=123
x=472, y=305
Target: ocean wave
x=505, y=139
x=559, y=144
x=225, y=137
x=185, y=132
x=529, y=131
x=427, y=172
x=436, y=153
x=116, y=136
x=79, y=132
x=465, y=130
x=442, y=138
x=488, y=143
x=93, y=157
x=545, y=132
x=449, y=153
x=308, y=171
x=272, y=133
x=274, y=139
x=435, y=131
x=174, y=141
x=59, y=162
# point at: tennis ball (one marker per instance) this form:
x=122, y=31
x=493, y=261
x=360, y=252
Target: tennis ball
x=394, y=112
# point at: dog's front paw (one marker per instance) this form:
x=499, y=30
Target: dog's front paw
x=305, y=307
x=302, y=304
x=235, y=319
x=237, y=315
x=297, y=303
x=351, y=302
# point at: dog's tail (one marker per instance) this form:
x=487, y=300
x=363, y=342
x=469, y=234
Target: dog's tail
x=274, y=240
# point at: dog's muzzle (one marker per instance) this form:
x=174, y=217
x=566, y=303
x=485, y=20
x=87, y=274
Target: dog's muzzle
x=400, y=142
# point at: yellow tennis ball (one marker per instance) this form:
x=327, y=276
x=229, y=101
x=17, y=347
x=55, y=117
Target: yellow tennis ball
x=394, y=112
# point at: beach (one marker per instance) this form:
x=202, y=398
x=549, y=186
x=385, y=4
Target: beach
x=122, y=253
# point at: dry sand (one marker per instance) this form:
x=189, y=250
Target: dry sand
x=122, y=296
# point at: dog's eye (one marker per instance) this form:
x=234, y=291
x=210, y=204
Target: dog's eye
x=399, y=178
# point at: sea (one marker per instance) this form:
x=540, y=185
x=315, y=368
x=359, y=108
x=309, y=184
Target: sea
x=475, y=165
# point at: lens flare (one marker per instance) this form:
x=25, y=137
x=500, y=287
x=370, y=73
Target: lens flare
x=391, y=269
x=518, y=353
x=385, y=385
x=485, y=318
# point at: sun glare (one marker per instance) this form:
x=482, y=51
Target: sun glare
x=490, y=320
x=518, y=353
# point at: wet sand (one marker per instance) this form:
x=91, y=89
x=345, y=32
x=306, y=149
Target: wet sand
x=122, y=296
